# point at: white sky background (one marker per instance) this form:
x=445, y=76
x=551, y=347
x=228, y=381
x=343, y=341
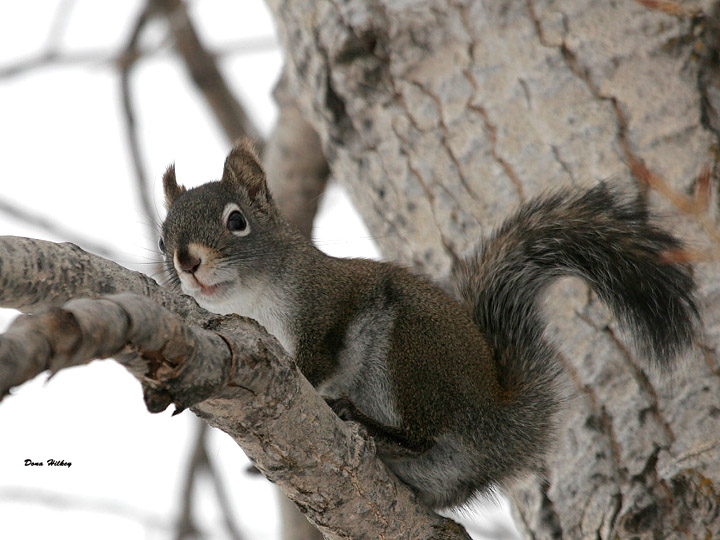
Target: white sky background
x=63, y=155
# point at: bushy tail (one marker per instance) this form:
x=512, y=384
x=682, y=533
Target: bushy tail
x=600, y=235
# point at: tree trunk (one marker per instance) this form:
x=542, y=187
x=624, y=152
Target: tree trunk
x=441, y=117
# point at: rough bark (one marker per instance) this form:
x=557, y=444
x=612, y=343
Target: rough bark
x=296, y=167
x=440, y=117
x=230, y=372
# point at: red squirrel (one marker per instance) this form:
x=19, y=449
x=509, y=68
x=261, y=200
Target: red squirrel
x=461, y=395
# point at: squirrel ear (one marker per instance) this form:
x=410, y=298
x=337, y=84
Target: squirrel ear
x=170, y=186
x=243, y=170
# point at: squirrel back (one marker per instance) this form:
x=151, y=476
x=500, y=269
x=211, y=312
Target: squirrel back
x=460, y=397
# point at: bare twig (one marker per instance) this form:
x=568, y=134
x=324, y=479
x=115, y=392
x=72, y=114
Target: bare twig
x=129, y=56
x=258, y=44
x=68, y=501
x=199, y=463
x=185, y=527
x=204, y=72
x=59, y=24
x=36, y=220
x=55, y=58
x=220, y=491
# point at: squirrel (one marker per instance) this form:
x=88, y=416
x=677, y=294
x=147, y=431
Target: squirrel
x=460, y=395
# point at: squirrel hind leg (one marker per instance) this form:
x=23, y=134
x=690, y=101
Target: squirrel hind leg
x=445, y=476
x=390, y=441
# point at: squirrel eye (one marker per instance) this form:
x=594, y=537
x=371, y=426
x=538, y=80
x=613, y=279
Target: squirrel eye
x=161, y=245
x=236, y=222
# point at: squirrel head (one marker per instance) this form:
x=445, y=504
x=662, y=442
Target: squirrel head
x=226, y=235
x=242, y=174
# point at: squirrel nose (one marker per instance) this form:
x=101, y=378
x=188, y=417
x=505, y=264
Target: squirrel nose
x=188, y=263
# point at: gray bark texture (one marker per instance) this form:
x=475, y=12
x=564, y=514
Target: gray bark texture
x=441, y=117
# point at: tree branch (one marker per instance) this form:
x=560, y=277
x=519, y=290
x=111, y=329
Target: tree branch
x=200, y=462
x=204, y=72
x=55, y=58
x=59, y=24
x=71, y=502
x=220, y=492
x=296, y=167
x=235, y=376
x=41, y=221
x=127, y=61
